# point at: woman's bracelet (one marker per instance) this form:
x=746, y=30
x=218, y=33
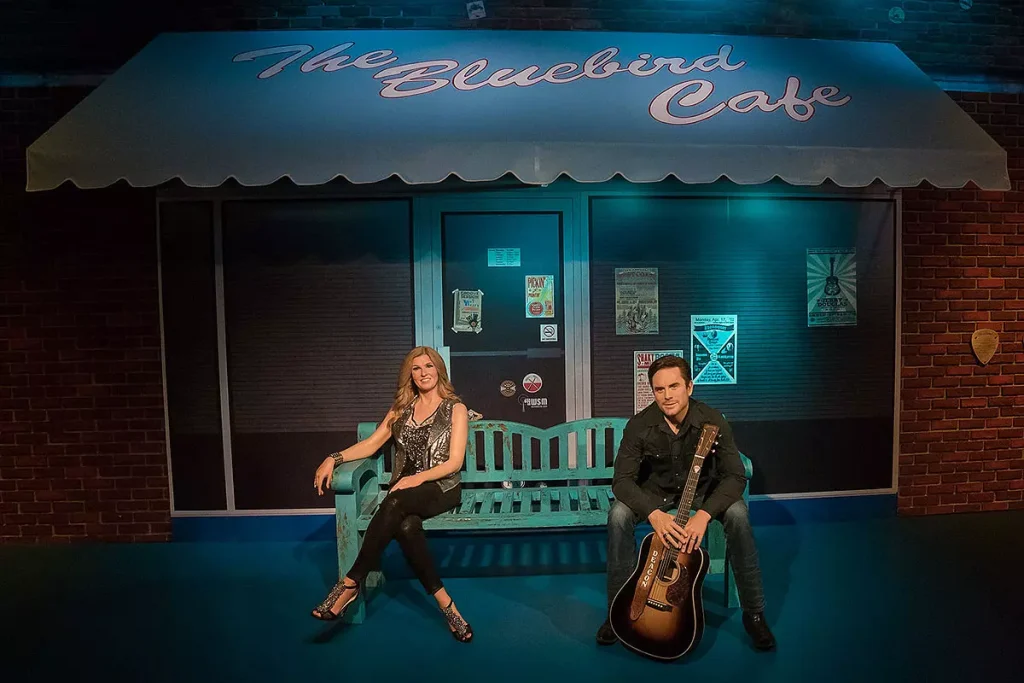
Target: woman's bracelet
x=338, y=458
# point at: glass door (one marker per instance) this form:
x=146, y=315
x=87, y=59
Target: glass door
x=499, y=304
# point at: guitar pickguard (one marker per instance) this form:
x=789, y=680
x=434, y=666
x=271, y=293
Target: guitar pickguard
x=679, y=591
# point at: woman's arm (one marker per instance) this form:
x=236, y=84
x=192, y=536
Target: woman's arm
x=364, y=449
x=457, y=450
x=368, y=446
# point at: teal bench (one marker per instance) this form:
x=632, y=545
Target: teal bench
x=560, y=477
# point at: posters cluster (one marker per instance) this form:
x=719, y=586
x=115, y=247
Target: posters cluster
x=832, y=287
x=713, y=344
x=636, y=301
x=540, y=296
x=831, y=302
x=468, y=310
x=642, y=394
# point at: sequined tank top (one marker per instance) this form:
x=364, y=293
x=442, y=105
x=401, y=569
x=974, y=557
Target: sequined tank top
x=416, y=436
x=424, y=445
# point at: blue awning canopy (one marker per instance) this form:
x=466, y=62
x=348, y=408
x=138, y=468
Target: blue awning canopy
x=313, y=106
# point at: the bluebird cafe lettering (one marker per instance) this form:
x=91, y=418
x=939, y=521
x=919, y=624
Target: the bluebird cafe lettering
x=682, y=104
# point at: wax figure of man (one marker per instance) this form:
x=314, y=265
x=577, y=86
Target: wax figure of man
x=651, y=469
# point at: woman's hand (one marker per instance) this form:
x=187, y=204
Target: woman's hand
x=324, y=475
x=410, y=482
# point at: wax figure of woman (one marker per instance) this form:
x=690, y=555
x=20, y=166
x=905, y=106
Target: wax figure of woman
x=429, y=424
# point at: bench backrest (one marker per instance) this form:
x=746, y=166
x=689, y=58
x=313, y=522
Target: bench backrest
x=500, y=451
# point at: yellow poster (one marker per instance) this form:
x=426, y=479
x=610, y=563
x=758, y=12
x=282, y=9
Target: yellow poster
x=540, y=296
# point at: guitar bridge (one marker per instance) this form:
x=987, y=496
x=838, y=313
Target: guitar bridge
x=658, y=605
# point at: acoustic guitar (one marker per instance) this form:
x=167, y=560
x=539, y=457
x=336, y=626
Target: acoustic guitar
x=659, y=611
x=831, y=282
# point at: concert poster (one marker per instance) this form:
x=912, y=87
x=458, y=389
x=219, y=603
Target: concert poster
x=713, y=347
x=540, y=296
x=636, y=301
x=832, y=287
x=468, y=310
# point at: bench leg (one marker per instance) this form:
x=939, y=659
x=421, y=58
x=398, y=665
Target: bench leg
x=349, y=541
x=374, y=581
x=732, y=596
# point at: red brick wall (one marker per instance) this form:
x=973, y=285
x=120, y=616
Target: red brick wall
x=81, y=401
x=962, y=424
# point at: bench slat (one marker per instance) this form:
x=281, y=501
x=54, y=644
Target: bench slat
x=582, y=449
x=468, y=504
x=517, y=501
x=545, y=456
x=514, y=521
x=585, y=500
x=599, y=447
x=490, y=462
x=505, y=504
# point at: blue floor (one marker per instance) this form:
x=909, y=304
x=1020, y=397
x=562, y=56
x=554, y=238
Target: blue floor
x=933, y=599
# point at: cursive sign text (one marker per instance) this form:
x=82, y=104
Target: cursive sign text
x=423, y=77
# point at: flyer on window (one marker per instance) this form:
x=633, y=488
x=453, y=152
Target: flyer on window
x=636, y=301
x=468, y=310
x=713, y=344
x=540, y=296
x=643, y=396
x=832, y=287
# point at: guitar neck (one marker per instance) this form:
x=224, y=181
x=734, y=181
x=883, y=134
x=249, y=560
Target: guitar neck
x=686, y=501
x=707, y=439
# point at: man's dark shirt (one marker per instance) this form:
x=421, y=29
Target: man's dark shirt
x=653, y=464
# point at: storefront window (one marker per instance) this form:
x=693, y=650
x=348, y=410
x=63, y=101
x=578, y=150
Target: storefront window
x=808, y=385
x=190, y=353
x=319, y=315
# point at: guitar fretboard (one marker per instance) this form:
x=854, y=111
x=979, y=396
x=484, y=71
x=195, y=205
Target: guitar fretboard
x=707, y=437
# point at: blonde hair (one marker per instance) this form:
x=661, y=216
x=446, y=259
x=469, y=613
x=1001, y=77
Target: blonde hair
x=407, y=392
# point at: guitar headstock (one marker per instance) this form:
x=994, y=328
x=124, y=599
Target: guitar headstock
x=708, y=439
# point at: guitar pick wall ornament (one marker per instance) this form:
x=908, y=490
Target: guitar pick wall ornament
x=985, y=343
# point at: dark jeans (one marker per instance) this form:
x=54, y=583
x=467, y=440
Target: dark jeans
x=622, y=551
x=401, y=517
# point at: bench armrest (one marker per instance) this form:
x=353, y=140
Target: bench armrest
x=348, y=475
x=748, y=467
x=748, y=471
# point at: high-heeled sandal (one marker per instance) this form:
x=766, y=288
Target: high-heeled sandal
x=459, y=627
x=323, y=611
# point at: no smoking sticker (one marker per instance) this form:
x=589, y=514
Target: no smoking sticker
x=549, y=333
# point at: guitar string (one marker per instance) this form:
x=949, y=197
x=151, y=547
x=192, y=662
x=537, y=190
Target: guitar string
x=669, y=558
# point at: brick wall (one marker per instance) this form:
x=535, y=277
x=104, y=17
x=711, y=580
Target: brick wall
x=81, y=402
x=62, y=35
x=962, y=424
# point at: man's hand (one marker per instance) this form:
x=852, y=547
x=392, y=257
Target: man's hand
x=670, y=533
x=693, y=532
x=409, y=482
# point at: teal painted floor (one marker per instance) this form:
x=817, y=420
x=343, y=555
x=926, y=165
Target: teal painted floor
x=936, y=599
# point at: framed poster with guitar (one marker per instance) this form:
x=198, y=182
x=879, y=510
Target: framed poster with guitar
x=832, y=287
